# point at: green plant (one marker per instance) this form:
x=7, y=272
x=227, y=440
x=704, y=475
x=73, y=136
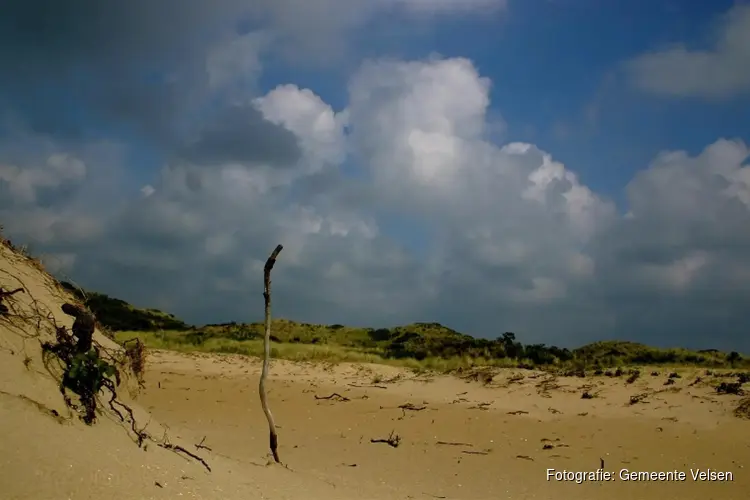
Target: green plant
x=84, y=373
x=87, y=372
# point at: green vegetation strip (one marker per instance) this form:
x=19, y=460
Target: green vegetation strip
x=420, y=346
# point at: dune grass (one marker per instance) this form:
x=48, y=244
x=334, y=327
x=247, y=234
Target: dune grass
x=593, y=356
x=178, y=341
x=175, y=341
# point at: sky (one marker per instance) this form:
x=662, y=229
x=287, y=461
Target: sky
x=568, y=170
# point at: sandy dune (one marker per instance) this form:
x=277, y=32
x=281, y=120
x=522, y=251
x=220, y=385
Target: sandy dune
x=459, y=439
x=47, y=453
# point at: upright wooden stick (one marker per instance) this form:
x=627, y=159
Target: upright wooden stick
x=273, y=437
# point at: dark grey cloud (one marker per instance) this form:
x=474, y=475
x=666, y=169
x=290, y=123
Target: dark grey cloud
x=167, y=72
x=79, y=69
x=241, y=134
x=82, y=67
x=89, y=61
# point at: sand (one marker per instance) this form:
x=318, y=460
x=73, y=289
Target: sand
x=459, y=439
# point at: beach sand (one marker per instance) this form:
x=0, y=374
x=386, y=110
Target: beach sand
x=458, y=438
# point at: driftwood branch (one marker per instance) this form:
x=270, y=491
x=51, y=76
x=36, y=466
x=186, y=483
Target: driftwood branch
x=273, y=437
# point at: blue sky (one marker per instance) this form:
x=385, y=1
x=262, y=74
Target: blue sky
x=491, y=164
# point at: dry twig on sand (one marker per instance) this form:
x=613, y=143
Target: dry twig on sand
x=482, y=406
x=201, y=446
x=453, y=443
x=179, y=449
x=412, y=407
x=370, y=386
x=273, y=437
x=335, y=396
x=392, y=440
x=518, y=412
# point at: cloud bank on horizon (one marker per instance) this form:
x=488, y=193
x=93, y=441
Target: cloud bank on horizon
x=152, y=152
